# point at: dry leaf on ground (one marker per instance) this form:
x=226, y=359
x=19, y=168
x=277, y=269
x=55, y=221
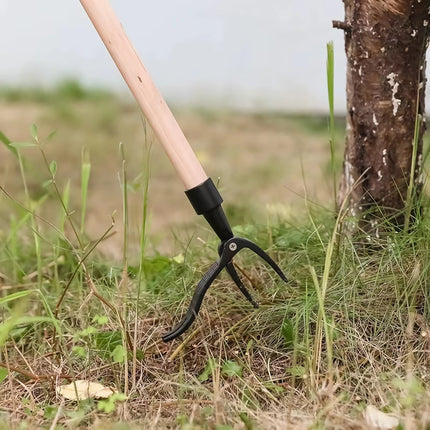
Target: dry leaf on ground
x=84, y=390
x=379, y=420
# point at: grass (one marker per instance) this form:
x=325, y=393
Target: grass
x=349, y=330
x=67, y=90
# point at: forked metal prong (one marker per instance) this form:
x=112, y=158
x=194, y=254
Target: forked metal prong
x=236, y=278
x=227, y=251
x=245, y=243
x=196, y=302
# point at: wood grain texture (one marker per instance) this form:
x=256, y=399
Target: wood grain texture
x=145, y=92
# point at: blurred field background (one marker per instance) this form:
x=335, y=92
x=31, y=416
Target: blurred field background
x=265, y=164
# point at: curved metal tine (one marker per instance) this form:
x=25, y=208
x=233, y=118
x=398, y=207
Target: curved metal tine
x=245, y=243
x=196, y=301
x=234, y=275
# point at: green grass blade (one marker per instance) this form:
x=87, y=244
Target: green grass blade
x=85, y=178
x=124, y=203
x=14, y=296
x=8, y=144
x=65, y=203
x=410, y=194
x=330, y=90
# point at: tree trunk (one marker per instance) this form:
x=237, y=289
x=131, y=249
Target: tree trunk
x=385, y=44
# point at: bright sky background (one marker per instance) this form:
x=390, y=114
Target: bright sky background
x=248, y=54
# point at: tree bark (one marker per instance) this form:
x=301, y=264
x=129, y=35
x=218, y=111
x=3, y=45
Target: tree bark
x=385, y=44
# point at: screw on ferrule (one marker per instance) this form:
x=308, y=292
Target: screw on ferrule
x=232, y=247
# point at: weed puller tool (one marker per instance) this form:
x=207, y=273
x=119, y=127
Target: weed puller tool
x=200, y=190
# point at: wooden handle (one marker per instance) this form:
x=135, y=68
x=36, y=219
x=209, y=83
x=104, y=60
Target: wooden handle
x=145, y=92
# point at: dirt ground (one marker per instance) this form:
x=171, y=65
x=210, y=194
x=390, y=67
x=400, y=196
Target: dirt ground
x=266, y=165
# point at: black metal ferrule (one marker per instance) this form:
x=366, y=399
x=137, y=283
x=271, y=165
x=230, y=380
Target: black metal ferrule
x=206, y=200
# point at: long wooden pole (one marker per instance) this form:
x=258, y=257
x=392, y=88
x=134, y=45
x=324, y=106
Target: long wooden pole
x=145, y=92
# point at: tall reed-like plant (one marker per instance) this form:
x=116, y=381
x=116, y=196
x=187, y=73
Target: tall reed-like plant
x=330, y=90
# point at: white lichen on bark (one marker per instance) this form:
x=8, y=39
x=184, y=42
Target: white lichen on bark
x=384, y=156
x=394, y=89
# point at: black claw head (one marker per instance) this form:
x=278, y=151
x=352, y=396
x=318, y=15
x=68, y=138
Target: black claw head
x=227, y=250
